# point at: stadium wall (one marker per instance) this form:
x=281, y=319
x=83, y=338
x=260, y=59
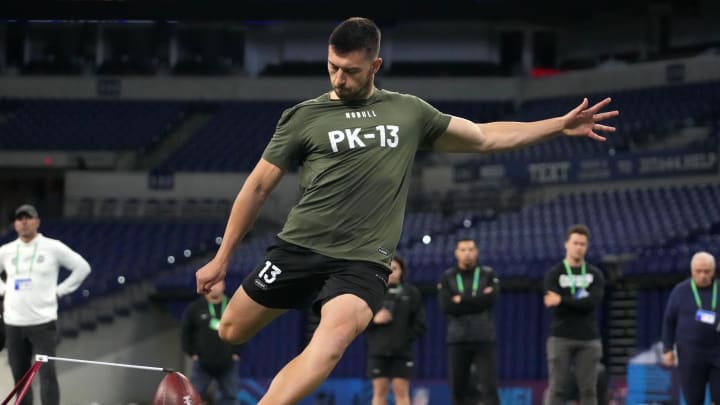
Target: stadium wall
x=698, y=69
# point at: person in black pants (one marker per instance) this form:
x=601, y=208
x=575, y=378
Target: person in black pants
x=574, y=290
x=691, y=326
x=467, y=294
x=390, y=335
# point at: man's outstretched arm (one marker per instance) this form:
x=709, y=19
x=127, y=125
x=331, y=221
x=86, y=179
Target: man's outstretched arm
x=261, y=181
x=464, y=136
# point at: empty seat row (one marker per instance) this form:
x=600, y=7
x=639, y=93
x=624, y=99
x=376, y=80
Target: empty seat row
x=187, y=208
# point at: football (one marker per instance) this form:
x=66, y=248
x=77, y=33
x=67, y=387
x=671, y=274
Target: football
x=175, y=389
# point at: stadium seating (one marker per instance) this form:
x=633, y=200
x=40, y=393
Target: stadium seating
x=663, y=226
x=232, y=140
x=647, y=115
x=237, y=132
x=137, y=251
x=86, y=124
x=653, y=223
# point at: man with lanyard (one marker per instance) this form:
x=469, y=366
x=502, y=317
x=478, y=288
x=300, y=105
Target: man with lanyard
x=212, y=358
x=32, y=263
x=470, y=326
x=691, y=326
x=573, y=290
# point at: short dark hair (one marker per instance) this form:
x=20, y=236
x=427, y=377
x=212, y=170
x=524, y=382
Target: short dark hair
x=457, y=243
x=579, y=229
x=354, y=34
x=399, y=259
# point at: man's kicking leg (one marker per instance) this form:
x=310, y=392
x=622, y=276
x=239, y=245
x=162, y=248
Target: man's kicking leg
x=342, y=319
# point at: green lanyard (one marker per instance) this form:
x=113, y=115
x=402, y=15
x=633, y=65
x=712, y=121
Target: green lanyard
x=697, y=296
x=476, y=280
x=17, y=258
x=583, y=280
x=211, y=308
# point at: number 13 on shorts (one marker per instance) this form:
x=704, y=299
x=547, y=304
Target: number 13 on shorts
x=269, y=277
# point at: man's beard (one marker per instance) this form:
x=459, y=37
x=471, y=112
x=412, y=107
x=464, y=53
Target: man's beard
x=359, y=94
x=469, y=264
x=345, y=95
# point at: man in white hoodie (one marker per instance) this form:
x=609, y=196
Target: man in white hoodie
x=32, y=263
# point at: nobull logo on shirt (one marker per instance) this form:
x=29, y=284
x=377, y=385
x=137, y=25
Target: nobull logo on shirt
x=565, y=280
x=385, y=136
x=361, y=114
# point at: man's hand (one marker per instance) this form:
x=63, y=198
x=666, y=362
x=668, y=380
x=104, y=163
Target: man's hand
x=583, y=121
x=456, y=298
x=236, y=357
x=552, y=299
x=195, y=357
x=668, y=359
x=487, y=290
x=209, y=275
x=383, y=316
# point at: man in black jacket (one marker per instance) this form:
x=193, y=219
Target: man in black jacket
x=213, y=359
x=467, y=294
x=390, y=336
x=573, y=290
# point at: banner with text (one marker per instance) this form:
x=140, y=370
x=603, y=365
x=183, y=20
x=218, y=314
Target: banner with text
x=592, y=169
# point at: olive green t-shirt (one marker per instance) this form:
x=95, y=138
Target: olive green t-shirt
x=356, y=160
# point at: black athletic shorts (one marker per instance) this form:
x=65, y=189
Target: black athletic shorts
x=295, y=277
x=390, y=367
